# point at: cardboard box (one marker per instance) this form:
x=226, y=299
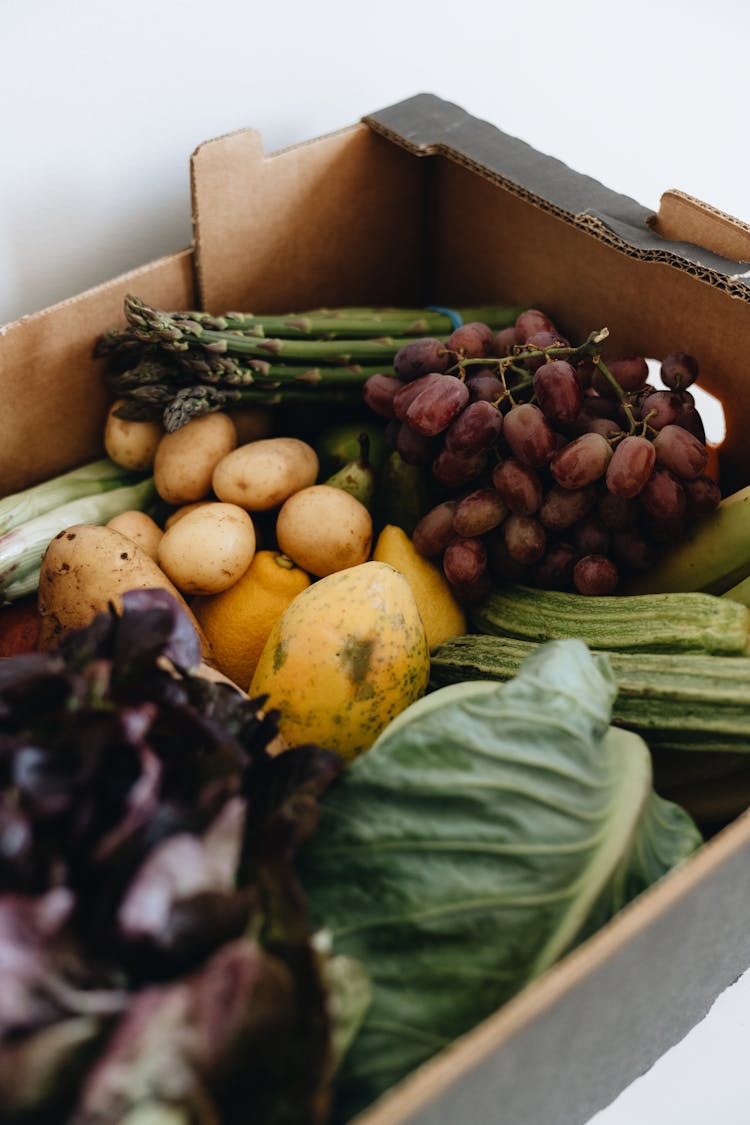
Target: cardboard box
x=420, y=203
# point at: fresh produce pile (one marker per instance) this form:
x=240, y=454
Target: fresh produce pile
x=331, y=676
x=556, y=468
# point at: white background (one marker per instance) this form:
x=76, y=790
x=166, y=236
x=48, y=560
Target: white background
x=102, y=103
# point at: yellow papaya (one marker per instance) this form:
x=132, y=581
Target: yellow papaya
x=344, y=658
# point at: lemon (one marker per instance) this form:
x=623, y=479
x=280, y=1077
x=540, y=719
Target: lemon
x=441, y=613
x=239, y=620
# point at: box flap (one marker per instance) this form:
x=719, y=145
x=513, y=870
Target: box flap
x=683, y=218
x=428, y=125
x=269, y=229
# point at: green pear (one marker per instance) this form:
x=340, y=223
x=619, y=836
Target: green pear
x=357, y=476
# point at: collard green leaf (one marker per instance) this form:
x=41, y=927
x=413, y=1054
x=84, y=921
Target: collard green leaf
x=468, y=849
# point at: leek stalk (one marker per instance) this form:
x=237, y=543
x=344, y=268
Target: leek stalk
x=86, y=480
x=23, y=548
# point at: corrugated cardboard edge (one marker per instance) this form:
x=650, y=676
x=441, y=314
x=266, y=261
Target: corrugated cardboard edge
x=184, y=255
x=421, y=1098
x=427, y=125
x=683, y=217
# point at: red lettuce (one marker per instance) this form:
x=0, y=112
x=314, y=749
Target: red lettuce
x=149, y=906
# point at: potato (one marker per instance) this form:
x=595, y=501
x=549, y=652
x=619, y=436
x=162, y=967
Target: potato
x=139, y=527
x=324, y=529
x=132, y=445
x=85, y=568
x=183, y=510
x=209, y=549
x=186, y=458
x=261, y=475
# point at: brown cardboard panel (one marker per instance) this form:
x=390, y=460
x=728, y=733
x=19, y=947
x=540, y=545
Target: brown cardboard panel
x=564, y=1047
x=334, y=221
x=683, y=218
x=54, y=399
x=426, y=124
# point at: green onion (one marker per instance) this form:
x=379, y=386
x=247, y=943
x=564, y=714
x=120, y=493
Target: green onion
x=87, y=480
x=23, y=548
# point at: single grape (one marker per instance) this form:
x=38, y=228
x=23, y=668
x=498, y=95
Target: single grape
x=558, y=392
x=562, y=507
x=630, y=374
x=530, y=321
x=465, y=564
x=554, y=571
x=414, y=448
x=473, y=340
x=484, y=386
x=434, y=531
x=591, y=537
x=436, y=406
x=476, y=428
x=519, y=485
x=581, y=461
x=529, y=435
x=478, y=512
x=679, y=450
x=595, y=576
x=631, y=466
x=663, y=495
x=702, y=496
x=379, y=391
x=631, y=407
x=679, y=370
x=632, y=550
x=525, y=539
x=689, y=419
x=541, y=342
x=607, y=427
x=504, y=342
x=421, y=357
x=407, y=392
x=585, y=369
x=597, y=406
x=456, y=469
x=617, y=513
x=661, y=408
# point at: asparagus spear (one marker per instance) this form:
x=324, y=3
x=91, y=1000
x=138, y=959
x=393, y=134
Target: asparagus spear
x=235, y=373
x=337, y=323
x=176, y=407
x=177, y=335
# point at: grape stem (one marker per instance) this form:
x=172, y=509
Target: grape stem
x=602, y=367
x=590, y=347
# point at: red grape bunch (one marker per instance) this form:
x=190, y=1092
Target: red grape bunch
x=547, y=465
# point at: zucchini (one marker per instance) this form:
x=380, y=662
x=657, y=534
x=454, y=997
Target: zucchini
x=670, y=622
x=677, y=702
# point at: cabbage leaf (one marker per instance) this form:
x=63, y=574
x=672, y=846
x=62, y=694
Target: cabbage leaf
x=485, y=834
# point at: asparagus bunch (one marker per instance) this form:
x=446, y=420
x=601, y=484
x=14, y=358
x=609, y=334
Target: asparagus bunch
x=179, y=365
